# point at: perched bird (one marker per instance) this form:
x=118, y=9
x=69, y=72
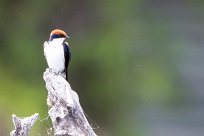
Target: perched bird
x=57, y=52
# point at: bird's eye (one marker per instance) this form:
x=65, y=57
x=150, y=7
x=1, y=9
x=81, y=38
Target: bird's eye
x=61, y=35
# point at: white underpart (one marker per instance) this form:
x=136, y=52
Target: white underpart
x=54, y=53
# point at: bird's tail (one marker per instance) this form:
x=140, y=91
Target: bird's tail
x=66, y=74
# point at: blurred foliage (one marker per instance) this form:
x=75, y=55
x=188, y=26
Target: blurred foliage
x=122, y=58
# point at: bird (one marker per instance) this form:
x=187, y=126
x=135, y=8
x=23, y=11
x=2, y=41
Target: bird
x=57, y=52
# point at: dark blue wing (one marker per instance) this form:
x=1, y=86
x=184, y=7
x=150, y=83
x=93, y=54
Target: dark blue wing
x=67, y=56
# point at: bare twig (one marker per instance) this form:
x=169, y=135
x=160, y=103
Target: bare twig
x=66, y=113
x=22, y=125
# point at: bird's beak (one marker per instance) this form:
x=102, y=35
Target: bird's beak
x=68, y=36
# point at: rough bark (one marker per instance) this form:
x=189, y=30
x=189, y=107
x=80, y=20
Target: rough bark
x=23, y=125
x=65, y=111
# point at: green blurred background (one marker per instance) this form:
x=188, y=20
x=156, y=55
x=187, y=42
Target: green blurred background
x=137, y=65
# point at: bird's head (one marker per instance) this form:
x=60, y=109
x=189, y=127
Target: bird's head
x=58, y=34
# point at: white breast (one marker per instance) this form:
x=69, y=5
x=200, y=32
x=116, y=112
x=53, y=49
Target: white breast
x=54, y=53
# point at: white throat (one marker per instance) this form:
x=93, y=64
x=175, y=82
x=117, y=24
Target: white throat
x=57, y=41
